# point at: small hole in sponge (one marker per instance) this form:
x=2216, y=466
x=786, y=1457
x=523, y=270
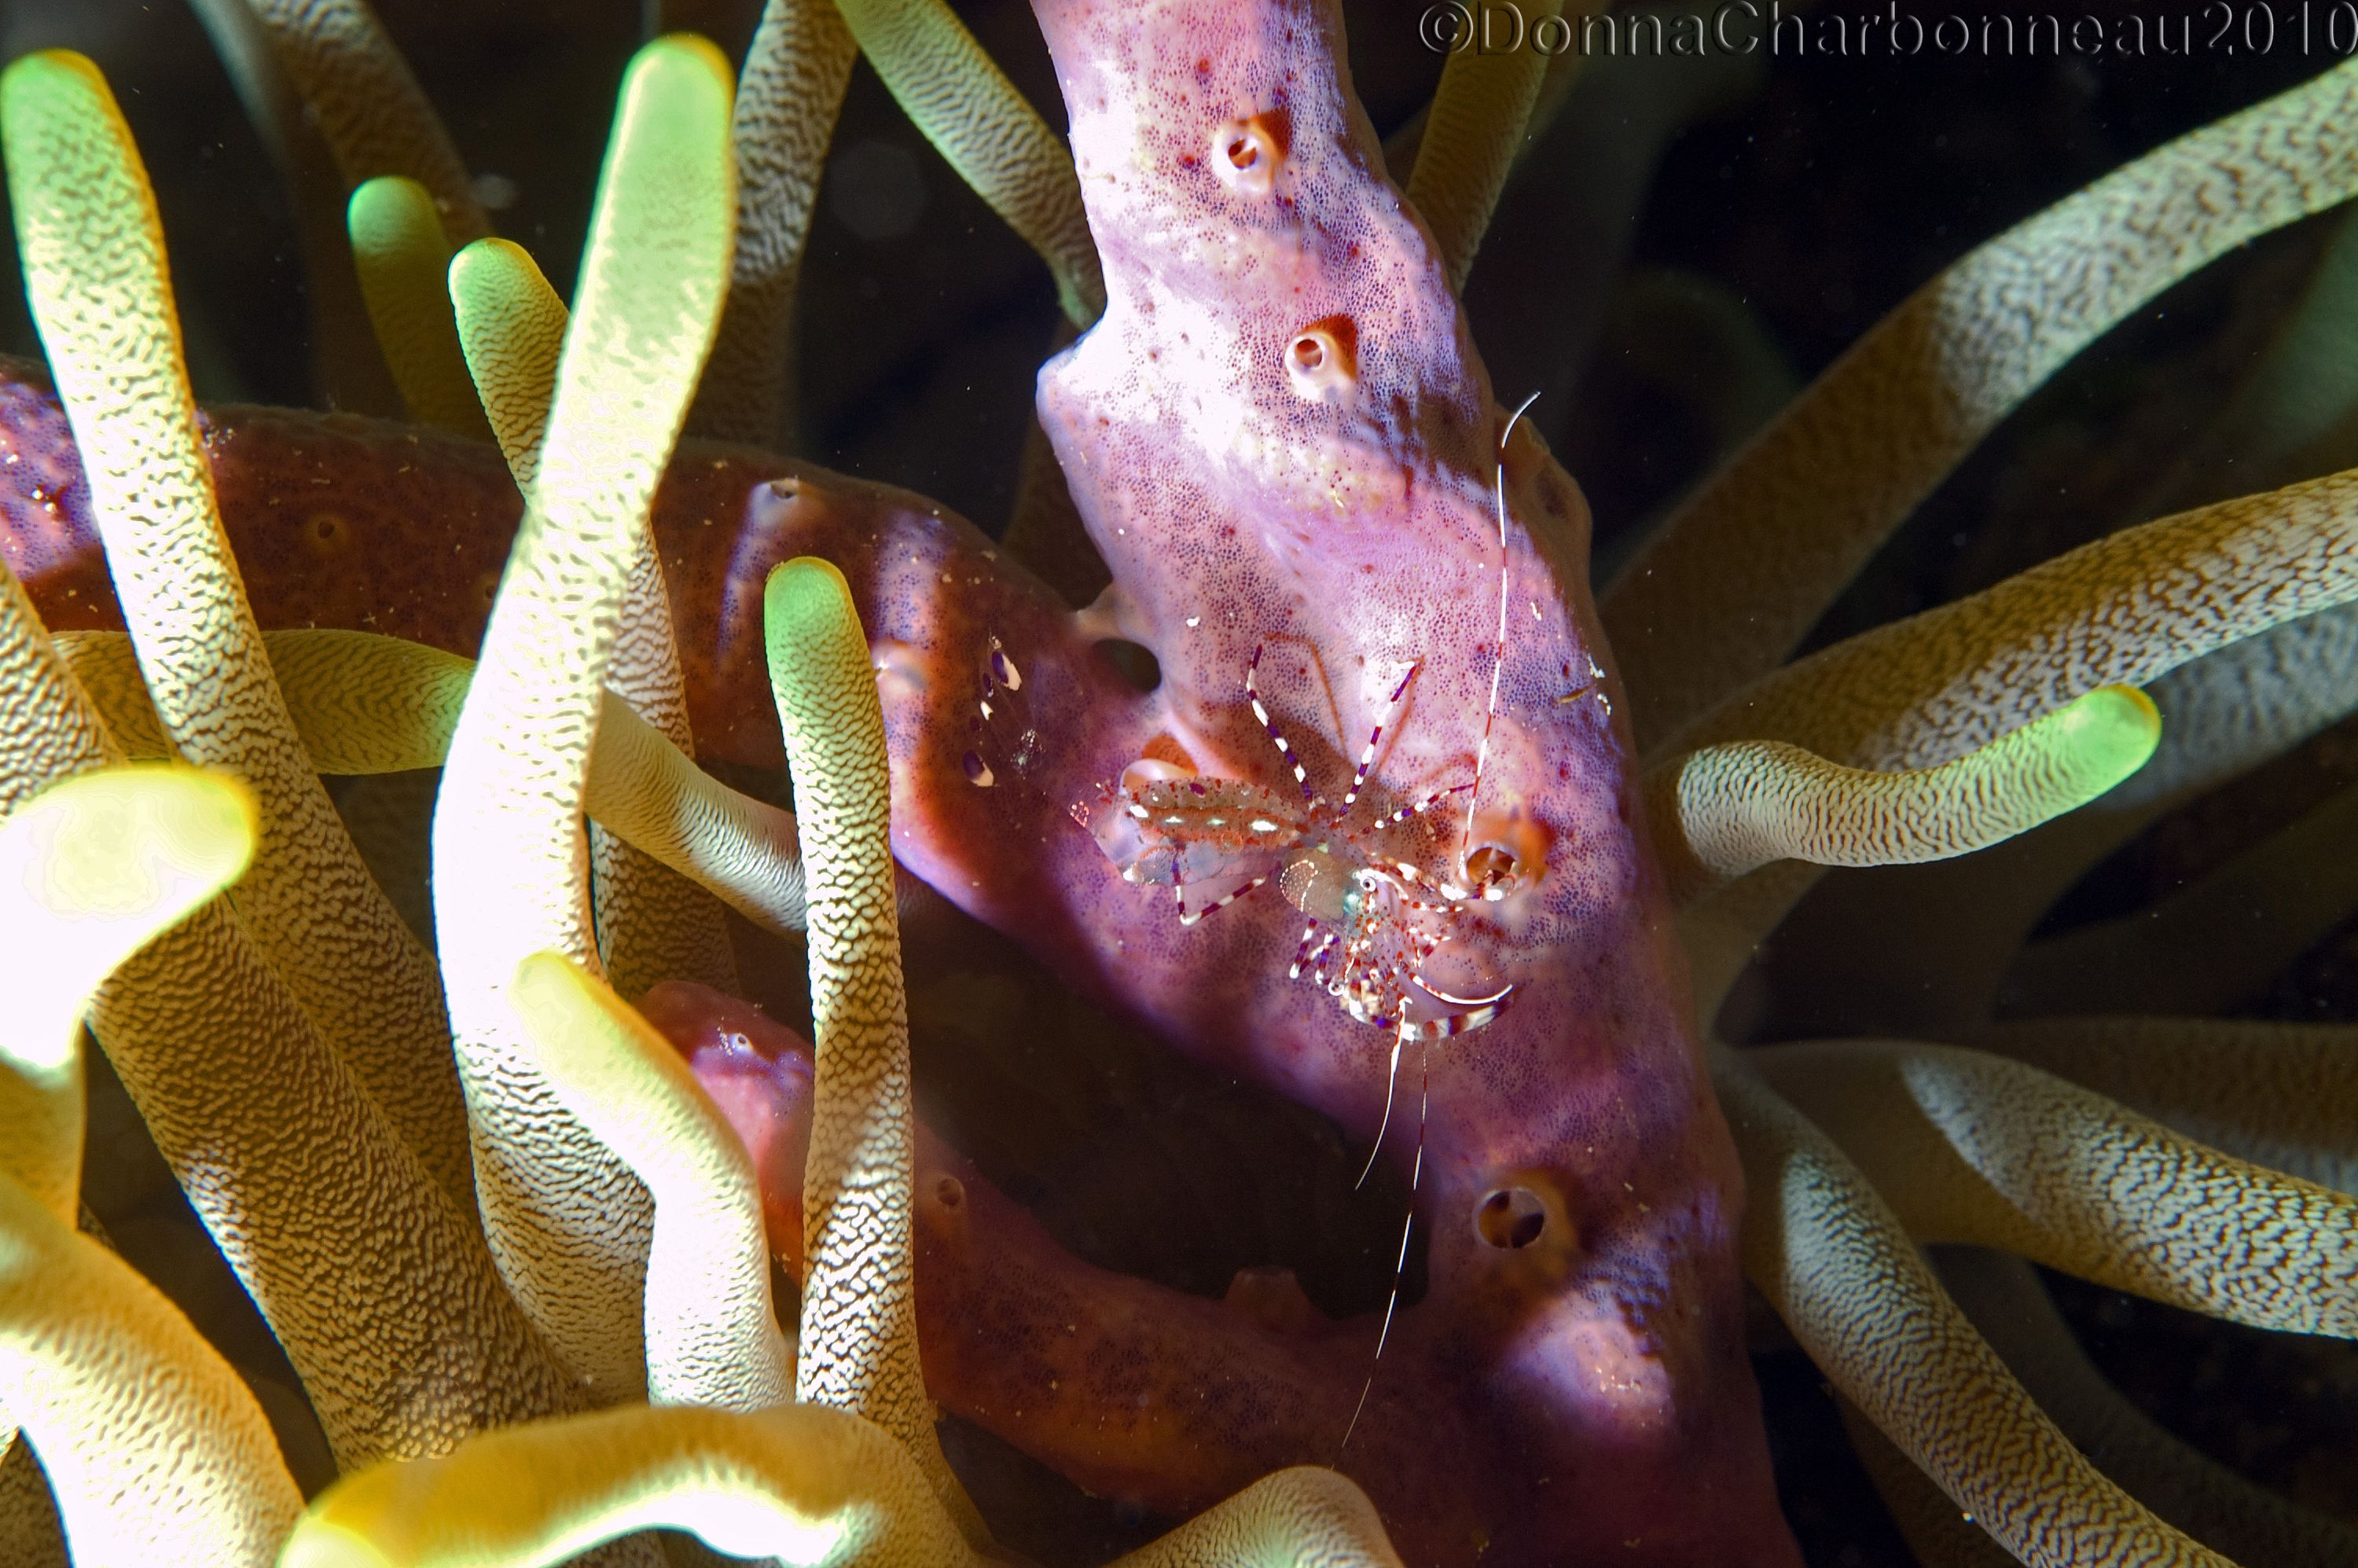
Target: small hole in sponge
x=1248, y=153
x=1134, y=663
x=1322, y=358
x=327, y=534
x=949, y=1192
x=1490, y=866
x=1510, y=1218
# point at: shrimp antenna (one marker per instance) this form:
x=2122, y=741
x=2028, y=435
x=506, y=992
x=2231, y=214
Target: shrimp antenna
x=1392, y=1081
x=1400, y=1264
x=1498, y=665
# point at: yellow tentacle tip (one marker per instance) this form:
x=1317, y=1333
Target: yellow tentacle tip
x=590, y=1041
x=2113, y=728
x=133, y=845
x=93, y=869
x=680, y=63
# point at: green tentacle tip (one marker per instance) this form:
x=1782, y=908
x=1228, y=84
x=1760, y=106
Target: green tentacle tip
x=46, y=82
x=392, y=212
x=685, y=75
x=2111, y=732
x=806, y=605
x=54, y=105
x=402, y=254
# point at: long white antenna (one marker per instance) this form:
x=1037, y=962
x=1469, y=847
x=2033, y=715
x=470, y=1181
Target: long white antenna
x=1498, y=665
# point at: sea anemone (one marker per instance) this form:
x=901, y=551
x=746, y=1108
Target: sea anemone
x=288, y=1044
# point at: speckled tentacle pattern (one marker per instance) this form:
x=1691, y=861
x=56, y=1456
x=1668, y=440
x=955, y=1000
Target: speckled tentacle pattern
x=151, y=1444
x=97, y=278
x=1971, y=1148
x=997, y=142
x=403, y=259
x=1828, y=1253
x=1472, y=133
x=711, y=1333
x=1726, y=810
x=787, y=95
x=511, y=331
x=2280, y=1095
x=2124, y=610
x=566, y=1219
x=1740, y=572
x=365, y=704
x=376, y=119
x=859, y=1340
x=293, y=1165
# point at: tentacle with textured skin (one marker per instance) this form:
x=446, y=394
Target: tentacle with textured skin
x=511, y=328
x=1472, y=133
x=403, y=259
x=1740, y=572
x=91, y=870
x=367, y=704
x=653, y=925
x=2121, y=611
x=1968, y=1147
x=97, y=279
x=1940, y=1533
x=567, y=1220
x=859, y=1341
x=348, y=369
x=2242, y=1520
x=154, y=1447
x=1833, y=1259
x=787, y=98
x=2280, y=1095
x=151, y=1444
x=292, y=1166
x=800, y=1484
x=997, y=142
x=2223, y=713
x=377, y=118
x=1303, y=1515
x=1724, y=810
x=711, y=1333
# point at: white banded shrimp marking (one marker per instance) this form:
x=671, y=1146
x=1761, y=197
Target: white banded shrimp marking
x=1374, y=921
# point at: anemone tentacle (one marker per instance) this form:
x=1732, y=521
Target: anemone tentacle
x=1473, y=129
x=2125, y=610
x=567, y=1221
x=1730, y=583
x=1827, y=1250
x=368, y=705
x=1723, y=811
x=712, y=1333
x=402, y=257
x=98, y=283
x=375, y=117
x=958, y=96
x=859, y=1340
x=788, y=93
